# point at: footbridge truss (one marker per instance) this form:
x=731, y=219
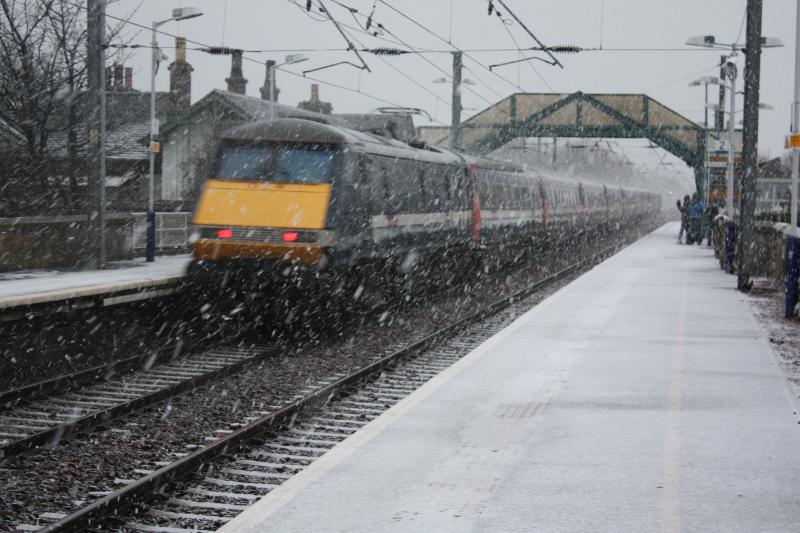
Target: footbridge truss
x=580, y=115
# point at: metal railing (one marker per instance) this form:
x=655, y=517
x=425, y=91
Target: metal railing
x=172, y=231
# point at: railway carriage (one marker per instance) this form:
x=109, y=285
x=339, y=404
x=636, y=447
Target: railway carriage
x=301, y=192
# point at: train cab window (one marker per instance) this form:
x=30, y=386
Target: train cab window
x=244, y=162
x=303, y=165
x=290, y=163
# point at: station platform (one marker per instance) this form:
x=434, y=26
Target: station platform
x=41, y=287
x=643, y=396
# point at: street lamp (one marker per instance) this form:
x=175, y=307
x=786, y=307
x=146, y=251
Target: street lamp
x=181, y=13
x=730, y=70
x=291, y=59
x=705, y=81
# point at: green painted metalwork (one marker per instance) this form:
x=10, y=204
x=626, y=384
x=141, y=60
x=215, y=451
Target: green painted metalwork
x=580, y=125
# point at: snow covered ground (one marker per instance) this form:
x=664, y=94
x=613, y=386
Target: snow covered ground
x=37, y=286
x=651, y=400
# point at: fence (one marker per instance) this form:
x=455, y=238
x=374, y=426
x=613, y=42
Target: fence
x=172, y=232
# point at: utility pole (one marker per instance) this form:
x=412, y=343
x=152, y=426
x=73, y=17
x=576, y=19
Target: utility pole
x=793, y=238
x=747, y=192
x=455, y=128
x=731, y=73
x=96, y=74
x=719, y=118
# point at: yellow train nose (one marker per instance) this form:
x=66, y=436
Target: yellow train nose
x=263, y=204
x=263, y=220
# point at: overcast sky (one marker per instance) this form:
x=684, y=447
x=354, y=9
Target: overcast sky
x=280, y=26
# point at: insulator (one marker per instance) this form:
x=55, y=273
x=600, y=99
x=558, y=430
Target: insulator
x=219, y=50
x=565, y=49
x=386, y=51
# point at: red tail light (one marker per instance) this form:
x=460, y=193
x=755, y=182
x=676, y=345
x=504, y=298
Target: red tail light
x=225, y=233
x=289, y=236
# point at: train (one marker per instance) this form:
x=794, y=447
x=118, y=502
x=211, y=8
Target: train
x=307, y=196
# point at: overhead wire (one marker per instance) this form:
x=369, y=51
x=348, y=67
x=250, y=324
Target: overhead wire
x=413, y=49
x=357, y=29
x=350, y=46
x=252, y=60
x=433, y=33
x=399, y=71
x=522, y=54
x=553, y=60
x=682, y=78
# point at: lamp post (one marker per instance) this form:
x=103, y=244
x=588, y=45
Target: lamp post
x=730, y=69
x=291, y=59
x=705, y=81
x=182, y=13
x=792, y=264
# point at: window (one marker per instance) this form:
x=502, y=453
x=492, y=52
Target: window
x=292, y=163
x=245, y=163
x=301, y=165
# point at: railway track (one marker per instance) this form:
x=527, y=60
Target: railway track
x=221, y=479
x=32, y=418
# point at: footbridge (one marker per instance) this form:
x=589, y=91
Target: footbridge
x=626, y=116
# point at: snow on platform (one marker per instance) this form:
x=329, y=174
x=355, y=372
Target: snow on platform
x=641, y=397
x=44, y=286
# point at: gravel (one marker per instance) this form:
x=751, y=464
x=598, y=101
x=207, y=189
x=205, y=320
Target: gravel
x=783, y=333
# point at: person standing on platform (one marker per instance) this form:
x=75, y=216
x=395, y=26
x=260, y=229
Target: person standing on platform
x=694, y=233
x=711, y=213
x=684, y=209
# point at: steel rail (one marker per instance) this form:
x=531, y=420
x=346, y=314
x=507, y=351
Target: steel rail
x=67, y=429
x=138, y=491
x=70, y=381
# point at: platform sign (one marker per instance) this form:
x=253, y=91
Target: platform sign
x=722, y=157
x=793, y=141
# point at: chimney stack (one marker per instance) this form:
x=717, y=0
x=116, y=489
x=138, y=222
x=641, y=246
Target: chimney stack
x=128, y=78
x=268, y=82
x=236, y=82
x=315, y=104
x=180, y=81
x=118, y=76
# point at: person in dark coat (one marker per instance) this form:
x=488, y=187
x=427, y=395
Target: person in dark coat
x=684, y=209
x=711, y=213
x=694, y=232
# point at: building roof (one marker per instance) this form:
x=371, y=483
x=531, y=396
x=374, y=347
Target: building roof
x=127, y=125
x=229, y=109
x=238, y=108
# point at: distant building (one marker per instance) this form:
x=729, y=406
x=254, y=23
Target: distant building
x=190, y=135
x=314, y=104
x=189, y=139
x=127, y=138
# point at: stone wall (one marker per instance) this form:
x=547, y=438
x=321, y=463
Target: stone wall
x=770, y=248
x=59, y=241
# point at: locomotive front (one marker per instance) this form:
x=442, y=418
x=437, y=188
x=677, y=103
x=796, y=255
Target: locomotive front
x=269, y=194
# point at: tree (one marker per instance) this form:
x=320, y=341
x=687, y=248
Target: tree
x=42, y=79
